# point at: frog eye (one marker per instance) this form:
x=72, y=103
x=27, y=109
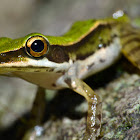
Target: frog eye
x=37, y=46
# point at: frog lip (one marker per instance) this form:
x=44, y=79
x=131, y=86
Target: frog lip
x=30, y=65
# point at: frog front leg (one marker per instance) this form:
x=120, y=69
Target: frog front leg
x=94, y=106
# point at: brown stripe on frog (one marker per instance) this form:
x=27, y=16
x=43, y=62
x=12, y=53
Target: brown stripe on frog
x=128, y=34
x=101, y=44
x=134, y=39
x=55, y=54
x=13, y=56
x=134, y=50
x=60, y=54
x=87, y=45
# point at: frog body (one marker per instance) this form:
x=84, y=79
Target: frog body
x=72, y=50
x=64, y=61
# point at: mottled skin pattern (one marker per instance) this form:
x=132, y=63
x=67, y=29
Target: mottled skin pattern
x=88, y=47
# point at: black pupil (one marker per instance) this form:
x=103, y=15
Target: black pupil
x=37, y=46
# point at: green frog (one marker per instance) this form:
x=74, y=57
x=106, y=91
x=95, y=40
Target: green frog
x=56, y=62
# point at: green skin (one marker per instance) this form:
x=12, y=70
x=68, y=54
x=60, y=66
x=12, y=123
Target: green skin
x=66, y=59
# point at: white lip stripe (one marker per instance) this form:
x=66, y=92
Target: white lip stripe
x=39, y=63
